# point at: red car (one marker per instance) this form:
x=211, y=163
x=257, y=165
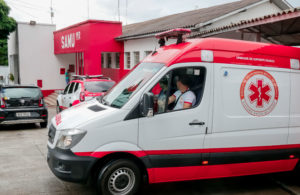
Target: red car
x=83, y=88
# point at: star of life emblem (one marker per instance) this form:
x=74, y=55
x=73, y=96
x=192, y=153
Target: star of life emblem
x=259, y=93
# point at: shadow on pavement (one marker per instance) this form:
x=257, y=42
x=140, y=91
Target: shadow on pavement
x=19, y=127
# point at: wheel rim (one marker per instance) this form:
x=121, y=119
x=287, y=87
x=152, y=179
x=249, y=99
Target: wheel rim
x=121, y=181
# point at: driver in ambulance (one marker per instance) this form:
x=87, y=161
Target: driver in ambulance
x=183, y=97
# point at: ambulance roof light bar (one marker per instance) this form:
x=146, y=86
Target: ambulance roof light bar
x=83, y=77
x=179, y=33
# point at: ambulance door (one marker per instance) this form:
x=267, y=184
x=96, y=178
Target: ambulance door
x=76, y=93
x=65, y=93
x=68, y=96
x=175, y=137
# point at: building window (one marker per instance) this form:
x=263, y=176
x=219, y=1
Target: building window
x=102, y=60
x=147, y=53
x=117, y=60
x=127, y=60
x=136, y=57
x=108, y=60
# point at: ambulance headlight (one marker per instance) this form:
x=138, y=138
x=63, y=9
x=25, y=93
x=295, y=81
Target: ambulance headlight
x=69, y=138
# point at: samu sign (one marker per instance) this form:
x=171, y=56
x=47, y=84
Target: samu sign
x=68, y=40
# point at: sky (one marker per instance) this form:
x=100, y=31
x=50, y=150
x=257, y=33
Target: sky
x=68, y=12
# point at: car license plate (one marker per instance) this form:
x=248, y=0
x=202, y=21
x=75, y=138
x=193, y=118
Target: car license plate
x=23, y=114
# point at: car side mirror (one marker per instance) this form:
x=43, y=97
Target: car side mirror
x=146, y=105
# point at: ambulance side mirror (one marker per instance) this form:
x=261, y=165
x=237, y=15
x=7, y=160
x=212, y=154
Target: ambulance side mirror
x=82, y=96
x=146, y=105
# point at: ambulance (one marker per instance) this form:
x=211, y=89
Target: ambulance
x=244, y=119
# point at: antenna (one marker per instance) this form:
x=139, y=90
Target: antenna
x=88, y=8
x=126, y=11
x=119, y=10
x=51, y=12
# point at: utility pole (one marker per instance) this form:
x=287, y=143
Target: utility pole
x=51, y=12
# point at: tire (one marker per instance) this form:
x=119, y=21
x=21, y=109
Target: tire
x=119, y=177
x=44, y=124
x=58, y=110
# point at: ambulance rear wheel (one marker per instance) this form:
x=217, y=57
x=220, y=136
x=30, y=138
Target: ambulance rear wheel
x=119, y=177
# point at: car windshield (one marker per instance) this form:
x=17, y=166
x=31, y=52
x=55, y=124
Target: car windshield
x=98, y=86
x=123, y=91
x=21, y=92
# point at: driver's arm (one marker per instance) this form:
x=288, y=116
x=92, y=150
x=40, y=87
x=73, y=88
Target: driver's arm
x=171, y=99
x=187, y=105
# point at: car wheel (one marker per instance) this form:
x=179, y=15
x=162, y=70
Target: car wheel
x=119, y=177
x=58, y=110
x=44, y=124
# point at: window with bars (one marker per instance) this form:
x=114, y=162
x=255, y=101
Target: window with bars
x=147, y=53
x=102, y=60
x=117, y=60
x=127, y=60
x=136, y=57
x=108, y=60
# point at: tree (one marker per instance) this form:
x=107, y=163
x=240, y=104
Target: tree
x=7, y=25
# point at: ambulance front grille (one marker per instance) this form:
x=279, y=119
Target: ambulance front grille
x=51, y=133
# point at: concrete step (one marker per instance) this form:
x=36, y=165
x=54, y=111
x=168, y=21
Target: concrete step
x=50, y=100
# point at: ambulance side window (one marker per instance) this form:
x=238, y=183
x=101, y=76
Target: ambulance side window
x=160, y=92
x=181, y=88
x=66, y=89
x=76, y=87
x=71, y=88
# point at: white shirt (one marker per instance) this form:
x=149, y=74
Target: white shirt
x=188, y=97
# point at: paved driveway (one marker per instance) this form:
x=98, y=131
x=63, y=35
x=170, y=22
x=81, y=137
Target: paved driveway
x=24, y=170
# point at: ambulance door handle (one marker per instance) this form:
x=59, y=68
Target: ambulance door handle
x=196, y=123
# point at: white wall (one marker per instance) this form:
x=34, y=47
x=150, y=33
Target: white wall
x=141, y=45
x=4, y=71
x=12, y=44
x=36, y=56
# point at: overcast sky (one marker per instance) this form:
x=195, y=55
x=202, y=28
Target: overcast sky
x=68, y=12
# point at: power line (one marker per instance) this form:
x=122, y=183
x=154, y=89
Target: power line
x=26, y=3
x=19, y=4
x=20, y=10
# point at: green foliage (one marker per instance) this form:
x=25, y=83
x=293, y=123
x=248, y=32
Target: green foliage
x=11, y=77
x=7, y=24
x=3, y=52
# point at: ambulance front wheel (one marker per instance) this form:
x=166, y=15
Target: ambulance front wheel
x=119, y=177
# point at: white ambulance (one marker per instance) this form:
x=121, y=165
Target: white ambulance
x=198, y=109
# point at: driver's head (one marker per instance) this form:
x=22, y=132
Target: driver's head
x=183, y=83
x=163, y=83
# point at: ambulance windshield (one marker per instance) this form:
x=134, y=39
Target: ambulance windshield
x=123, y=91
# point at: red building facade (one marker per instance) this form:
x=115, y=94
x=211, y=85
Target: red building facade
x=91, y=41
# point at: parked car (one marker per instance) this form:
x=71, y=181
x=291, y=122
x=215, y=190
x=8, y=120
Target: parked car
x=83, y=88
x=21, y=104
x=236, y=112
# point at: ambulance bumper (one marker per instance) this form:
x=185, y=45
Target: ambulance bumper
x=68, y=167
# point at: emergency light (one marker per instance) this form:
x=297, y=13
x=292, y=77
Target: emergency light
x=178, y=33
x=83, y=77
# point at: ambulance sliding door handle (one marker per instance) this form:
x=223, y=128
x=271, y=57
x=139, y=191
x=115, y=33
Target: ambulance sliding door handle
x=196, y=123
